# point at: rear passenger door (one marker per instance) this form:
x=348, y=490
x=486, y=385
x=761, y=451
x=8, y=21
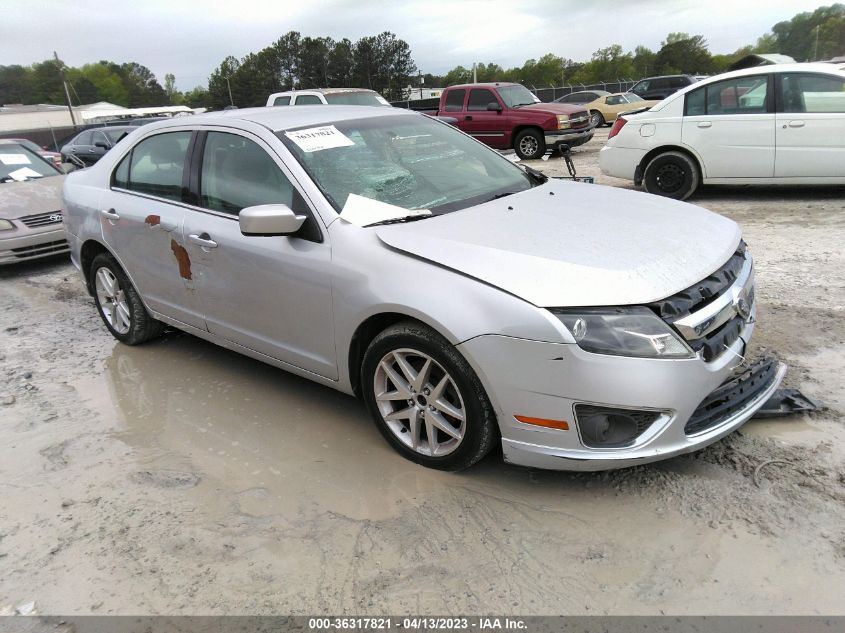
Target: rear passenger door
x=730, y=124
x=142, y=217
x=810, y=126
x=268, y=294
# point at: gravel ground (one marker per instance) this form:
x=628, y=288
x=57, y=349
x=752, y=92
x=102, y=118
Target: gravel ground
x=180, y=478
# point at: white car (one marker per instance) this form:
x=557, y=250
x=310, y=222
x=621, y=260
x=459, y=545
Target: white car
x=327, y=96
x=779, y=124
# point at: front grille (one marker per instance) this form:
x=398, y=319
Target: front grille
x=732, y=396
x=59, y=246
x=579, y=119
x=706, y=331
x=705, y=291
x=42, y=219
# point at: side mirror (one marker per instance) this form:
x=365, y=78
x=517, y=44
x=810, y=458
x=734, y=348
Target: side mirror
x=266, y=220
x=494, y=106
x=105, y=146
x=66, y=168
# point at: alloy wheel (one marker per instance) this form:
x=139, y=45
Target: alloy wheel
x=420, y=402
x=112, y=300
x=528, y=145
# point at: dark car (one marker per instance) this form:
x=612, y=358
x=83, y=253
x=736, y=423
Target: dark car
x=582, y=97
x=89, y=146
x=657, y=88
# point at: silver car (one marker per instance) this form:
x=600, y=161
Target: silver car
x=470, y=302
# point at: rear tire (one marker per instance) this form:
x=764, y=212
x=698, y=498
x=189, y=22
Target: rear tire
x=529, y=145
x=672, y=175
x=119, y=304
x=416, y=386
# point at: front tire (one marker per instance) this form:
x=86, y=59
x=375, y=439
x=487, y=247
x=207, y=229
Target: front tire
x=672, y=175
x=425, y=399
x=119, y=304
x=529, y=145
x=596, y=118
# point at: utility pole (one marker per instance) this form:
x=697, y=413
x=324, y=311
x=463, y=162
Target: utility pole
x=816, y=54
x=64, y=84
x=231, y=101
x=474, y=75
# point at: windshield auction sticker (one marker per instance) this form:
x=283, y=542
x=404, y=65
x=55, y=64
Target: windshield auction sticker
x=315, y=139
x=14, y=159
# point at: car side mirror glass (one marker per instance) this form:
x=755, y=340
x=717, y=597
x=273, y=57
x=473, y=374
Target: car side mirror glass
x=269, y=219
x=494, y=106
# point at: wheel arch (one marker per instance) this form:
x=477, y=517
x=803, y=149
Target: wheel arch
x=640, y=170
x=90, y=249
x=521, y=128
x=371, y=327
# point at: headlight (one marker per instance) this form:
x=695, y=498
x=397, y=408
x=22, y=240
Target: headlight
x=634, y=332
x=562, y=121
x=5, y=225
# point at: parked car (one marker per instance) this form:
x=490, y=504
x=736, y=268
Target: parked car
x=90, y=145
x=505, y=115
x=605, y=109
x=30, y=205
x=657, y=88
x=328, y=96
x=582, y=97
x=43, y=152
x=468, y=300
x=765, y=125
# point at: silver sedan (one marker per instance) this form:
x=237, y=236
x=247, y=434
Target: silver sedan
x=470, y=302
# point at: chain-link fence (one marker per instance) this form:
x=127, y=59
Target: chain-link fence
x=543, y=94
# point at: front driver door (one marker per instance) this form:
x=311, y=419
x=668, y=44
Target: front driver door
x=489, y=126
x=272, y=295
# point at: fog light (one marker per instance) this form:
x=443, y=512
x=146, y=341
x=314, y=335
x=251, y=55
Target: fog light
x=605, y=427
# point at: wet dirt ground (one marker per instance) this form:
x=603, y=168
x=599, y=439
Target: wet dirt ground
x=181, y=478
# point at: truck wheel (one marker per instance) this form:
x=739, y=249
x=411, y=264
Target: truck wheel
x=671, y=174
x=529, y=145
x=596, y=118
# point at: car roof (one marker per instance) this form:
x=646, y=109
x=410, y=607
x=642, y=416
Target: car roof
x=277, y=119
x=818, y=67
x=322, y=91
x=492, y=84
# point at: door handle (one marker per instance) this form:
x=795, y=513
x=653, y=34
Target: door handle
x=705, y=124
x=203, y=239
x=796, y=124
x=468, y=117
x=111, y=214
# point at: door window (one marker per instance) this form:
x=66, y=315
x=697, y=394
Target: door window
x=155, y=166
x=614, y=100
x=812, y=93
x=308, y=100
x=237, y=173
x=83, y=139
x=455, y=100
x=281, y=101
x=742, y=95
x=641, y=87
x=479, y=98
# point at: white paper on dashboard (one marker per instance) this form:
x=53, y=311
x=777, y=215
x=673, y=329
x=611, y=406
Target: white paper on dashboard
x=315, y=139
x=14, y=159
x=23, y=173
x=362, y=211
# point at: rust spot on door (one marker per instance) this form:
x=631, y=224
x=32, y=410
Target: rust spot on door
x=153, y=220
x=183, y=259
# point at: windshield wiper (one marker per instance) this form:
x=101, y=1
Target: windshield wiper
x=402, y=220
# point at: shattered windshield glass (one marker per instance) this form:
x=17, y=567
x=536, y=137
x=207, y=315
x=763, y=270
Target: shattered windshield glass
x=411, y=162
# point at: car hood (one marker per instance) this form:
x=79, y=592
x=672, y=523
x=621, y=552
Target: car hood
x=551, y=108
x=18, y=199
x=573, y=244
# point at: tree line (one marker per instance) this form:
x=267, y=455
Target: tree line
x=384, y=63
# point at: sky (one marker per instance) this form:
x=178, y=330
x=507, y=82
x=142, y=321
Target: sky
x=189, y=38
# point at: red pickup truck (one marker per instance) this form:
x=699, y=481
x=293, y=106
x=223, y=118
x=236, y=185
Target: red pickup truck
x=506, y=115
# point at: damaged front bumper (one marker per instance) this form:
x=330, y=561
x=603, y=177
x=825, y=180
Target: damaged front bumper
x=687, y=403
